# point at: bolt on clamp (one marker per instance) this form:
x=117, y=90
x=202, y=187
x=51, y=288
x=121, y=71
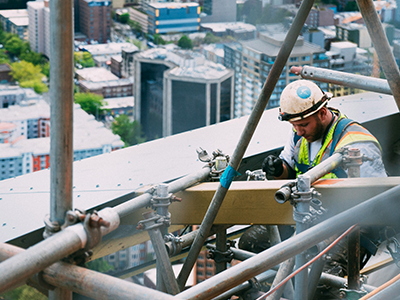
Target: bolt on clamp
x=176, y=244
x=256, y=175
x=218, y=162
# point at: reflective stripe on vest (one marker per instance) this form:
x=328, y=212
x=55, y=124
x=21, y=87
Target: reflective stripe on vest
x=354, y=133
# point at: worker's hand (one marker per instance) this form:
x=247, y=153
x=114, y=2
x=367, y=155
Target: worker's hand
x=273, y=166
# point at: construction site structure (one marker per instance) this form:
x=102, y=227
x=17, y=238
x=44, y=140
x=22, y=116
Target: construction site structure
x=103, y=204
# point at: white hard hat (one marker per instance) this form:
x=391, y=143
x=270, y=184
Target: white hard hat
x=300, y=99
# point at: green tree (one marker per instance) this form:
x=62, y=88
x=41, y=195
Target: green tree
x=251, y=11
x=91, y=103
x=211, y=39
x=129, y=131
x=84, y=59
x=37, y=85
x=158, y=39
x=23, y=292
x=99, y=265
x=30, y=56
x=124, y=18
x=46, y=69
x=4, y=59
x=25, y=71
x=14, y=45
x=351, y=6
x=135, y=26
x=272, y=14
x=185, y=42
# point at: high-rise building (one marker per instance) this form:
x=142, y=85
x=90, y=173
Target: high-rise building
x=253, y=59
x=163, y=104
x=39, y=26
x=95, y=20
x=218, y=11
x=173, y=17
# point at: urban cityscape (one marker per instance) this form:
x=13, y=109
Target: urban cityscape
x=149, y=69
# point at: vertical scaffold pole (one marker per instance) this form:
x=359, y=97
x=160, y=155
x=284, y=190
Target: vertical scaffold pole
x=246, y=136
x=61, y=117
x=381, y=45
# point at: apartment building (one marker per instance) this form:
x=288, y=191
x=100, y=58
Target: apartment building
x=95, y=20
x=39, y=26
x=25, y=130
x=252, y=61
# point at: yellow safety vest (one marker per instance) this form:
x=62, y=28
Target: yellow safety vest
x=351, y=133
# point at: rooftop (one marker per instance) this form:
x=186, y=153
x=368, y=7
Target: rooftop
x=188, y=63
x=95, y=85
x=10, y=13
x=119, y=102
x=272, y=50
x=32, y=110
x=96, y=74
x=222, y=27
x=107, y=49
x=88, y=133
x=19, y=21
x=172, y=5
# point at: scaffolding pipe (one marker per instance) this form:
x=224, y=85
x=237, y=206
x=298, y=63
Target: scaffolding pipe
x=164, y=267
x=221, y=245
x=143, y=200
x=246, y=136
x=339, y=282
x=285, y=269
x=73, y=238
x=388, y=290
x=187, y=239
x=268, y=275
x=345, y=79
x=61, y=117
x=87, y=282
x=317, y=268
x=20, y=267
x=381, y=45
x=376, y=209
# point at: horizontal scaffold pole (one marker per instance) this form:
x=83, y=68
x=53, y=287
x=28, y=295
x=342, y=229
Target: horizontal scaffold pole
x=87, y=282
x=367, y=83
x=20, y=267
x=382, y=207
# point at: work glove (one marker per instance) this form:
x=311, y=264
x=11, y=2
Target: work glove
x=273, y=166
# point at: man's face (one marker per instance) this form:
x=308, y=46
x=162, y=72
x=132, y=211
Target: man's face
x=310, y=128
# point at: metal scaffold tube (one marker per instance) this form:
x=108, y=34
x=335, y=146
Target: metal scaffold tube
x=61, y=118
x=87, y=282
x=345, y=79
x=376, y=209
x=245, y=138
x=130, y=206
x=381, y=45
x=61, y=244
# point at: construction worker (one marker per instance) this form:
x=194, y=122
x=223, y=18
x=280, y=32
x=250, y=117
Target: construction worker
x=317, y=132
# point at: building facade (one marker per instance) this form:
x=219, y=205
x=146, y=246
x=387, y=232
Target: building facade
x=39, y=26
x=173, y=17
x=140, y=17
x=163, y=105
x=95, y=20
x=16, y=22
x=219, y=11
x=25, y=130
x=252, y=61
